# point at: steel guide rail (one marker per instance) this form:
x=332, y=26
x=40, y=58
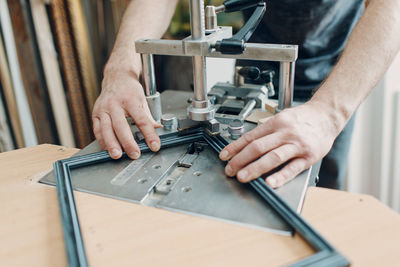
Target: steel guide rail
x=325, y=254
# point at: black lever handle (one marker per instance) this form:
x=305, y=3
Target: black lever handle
x=237, y=5
x=267, y=76
x=251, y=25
x=235, y=45
x=250, y=72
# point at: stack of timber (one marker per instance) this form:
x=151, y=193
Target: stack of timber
x=52, y=54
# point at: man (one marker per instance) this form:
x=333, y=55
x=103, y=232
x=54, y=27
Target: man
x=366, y=40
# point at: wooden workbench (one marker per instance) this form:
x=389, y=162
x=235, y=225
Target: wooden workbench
x=118, y=233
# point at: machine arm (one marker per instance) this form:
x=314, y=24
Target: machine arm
x=236, y=5
x=236, y=44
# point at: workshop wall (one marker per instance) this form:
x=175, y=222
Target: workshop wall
x=374, y=162
x=52, y=54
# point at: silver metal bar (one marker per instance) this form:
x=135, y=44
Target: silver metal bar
x=286, y=85
x=199, y=78
x=220, y=8
x=200, y=110
x=267, y=52
x=154, y=103
x=211, y=18
x=199, y=62
x=247, y=109
x=197, y=19
x=149, y=78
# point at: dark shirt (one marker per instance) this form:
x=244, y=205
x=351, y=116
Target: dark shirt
x=320, y=28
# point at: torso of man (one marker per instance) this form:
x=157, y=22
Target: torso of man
x=320, y=28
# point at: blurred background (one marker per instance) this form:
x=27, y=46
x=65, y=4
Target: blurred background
x=52, y=54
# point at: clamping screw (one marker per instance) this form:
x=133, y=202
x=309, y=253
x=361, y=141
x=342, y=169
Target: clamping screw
x=236, y=129
x=167, y=120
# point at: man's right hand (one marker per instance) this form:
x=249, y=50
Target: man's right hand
x=122, y=96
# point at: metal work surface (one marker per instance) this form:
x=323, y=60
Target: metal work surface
x=325, y=255
x=201, y=189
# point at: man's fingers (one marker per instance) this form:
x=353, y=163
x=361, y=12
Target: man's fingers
x=232, y=149
x=287, y=173
x=268, y=162
x=124, y=133
x=97, y=132
x=146, y=125
x=110, y=141
x=253, y=151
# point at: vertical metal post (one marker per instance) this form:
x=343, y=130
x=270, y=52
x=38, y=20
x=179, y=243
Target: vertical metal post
x=199, y=63
x=153, y=97
x=149, y=78
x=197, y=19
x=286, y=85
x=201, y=108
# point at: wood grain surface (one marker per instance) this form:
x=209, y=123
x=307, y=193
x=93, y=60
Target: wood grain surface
x=72, y=78
x=52, y=73
x=6, y=140
x=84, y=52
x=31, y=71
x=9, y=96
x=118, y=233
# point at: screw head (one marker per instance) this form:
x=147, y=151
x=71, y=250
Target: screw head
x=236, y=129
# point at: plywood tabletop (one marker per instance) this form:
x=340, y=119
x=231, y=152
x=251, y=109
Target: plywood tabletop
x=125, y=234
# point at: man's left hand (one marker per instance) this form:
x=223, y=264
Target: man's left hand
x=297, y=137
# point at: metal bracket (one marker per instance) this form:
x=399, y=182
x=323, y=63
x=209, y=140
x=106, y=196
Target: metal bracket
x=325, y=254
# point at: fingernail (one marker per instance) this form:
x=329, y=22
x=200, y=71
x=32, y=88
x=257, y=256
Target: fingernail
x=134, y=155
x=228, y=170
x=224, y=155
x=154, y=145
x=242, y=175
x=114, y=152
x=271, y=181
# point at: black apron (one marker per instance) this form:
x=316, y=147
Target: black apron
x=320, y=28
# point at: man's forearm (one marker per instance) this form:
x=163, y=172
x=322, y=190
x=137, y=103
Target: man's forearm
x=142, y=19
x=371, y=48
x=122, y=95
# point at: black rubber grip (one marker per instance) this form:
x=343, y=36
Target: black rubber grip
x=250, y=72
x=267, y=76
x=237, y=5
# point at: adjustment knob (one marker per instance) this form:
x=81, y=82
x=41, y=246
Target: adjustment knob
x=167, y=120
x=236, y=129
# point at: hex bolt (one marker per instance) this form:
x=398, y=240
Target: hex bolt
x=236, y=129
x=213, y=125
x=167, y=120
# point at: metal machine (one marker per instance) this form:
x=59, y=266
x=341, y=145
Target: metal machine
x=190, y=178
x=186, y=174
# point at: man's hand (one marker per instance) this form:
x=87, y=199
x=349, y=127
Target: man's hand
x=297, y=136
x=122, y=95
